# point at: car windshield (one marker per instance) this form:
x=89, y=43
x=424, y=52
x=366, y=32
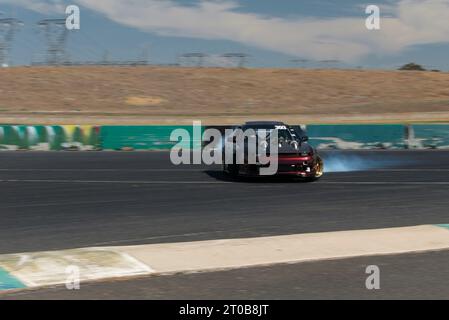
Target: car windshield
x=284, y=133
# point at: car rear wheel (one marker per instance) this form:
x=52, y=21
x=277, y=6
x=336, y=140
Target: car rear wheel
x=231, y=169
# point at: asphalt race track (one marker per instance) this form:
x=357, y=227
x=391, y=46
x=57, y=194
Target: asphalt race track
x=57, y=200
x=70, y=199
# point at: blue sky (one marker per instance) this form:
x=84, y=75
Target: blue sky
x=272, y=32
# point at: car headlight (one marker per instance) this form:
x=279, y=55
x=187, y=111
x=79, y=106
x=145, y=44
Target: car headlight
x=306, y=153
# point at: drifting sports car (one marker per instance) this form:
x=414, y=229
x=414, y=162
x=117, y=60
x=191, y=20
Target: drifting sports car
x=296, y=158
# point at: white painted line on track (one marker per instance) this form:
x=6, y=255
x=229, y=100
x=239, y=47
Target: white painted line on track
x=385, y=182
x=201, y=169
x=114, y=181
x=99, y=170
x=409, y=170
x=68, y=203
x=221, y=182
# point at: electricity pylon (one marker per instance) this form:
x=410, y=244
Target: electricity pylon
x=241, y=58
x=55, y=33
x=8, y=28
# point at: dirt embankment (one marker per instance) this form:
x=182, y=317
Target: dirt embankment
x=165, y=95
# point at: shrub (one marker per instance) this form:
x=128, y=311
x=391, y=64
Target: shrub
x=412, y=66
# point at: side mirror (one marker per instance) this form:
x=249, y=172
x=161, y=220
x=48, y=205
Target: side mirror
x=304, y=138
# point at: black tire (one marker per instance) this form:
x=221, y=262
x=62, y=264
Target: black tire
x=231, y=169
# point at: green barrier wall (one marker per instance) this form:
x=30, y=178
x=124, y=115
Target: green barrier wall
x=73, y=137
x=357, y=136
x=144, y=137
x=23, y=137
x=429, y=136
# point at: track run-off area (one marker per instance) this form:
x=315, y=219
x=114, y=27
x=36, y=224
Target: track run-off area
x=65, y=200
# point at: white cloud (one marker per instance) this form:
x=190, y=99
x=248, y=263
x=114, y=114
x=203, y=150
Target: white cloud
x=406, y=23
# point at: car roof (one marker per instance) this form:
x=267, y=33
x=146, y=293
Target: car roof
x=263, y=123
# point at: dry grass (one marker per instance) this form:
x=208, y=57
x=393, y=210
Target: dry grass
x=145, y=95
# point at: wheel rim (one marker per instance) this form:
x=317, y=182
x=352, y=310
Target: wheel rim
x=319, y=168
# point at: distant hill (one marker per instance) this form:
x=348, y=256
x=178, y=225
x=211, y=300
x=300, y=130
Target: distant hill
x=140, y=95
